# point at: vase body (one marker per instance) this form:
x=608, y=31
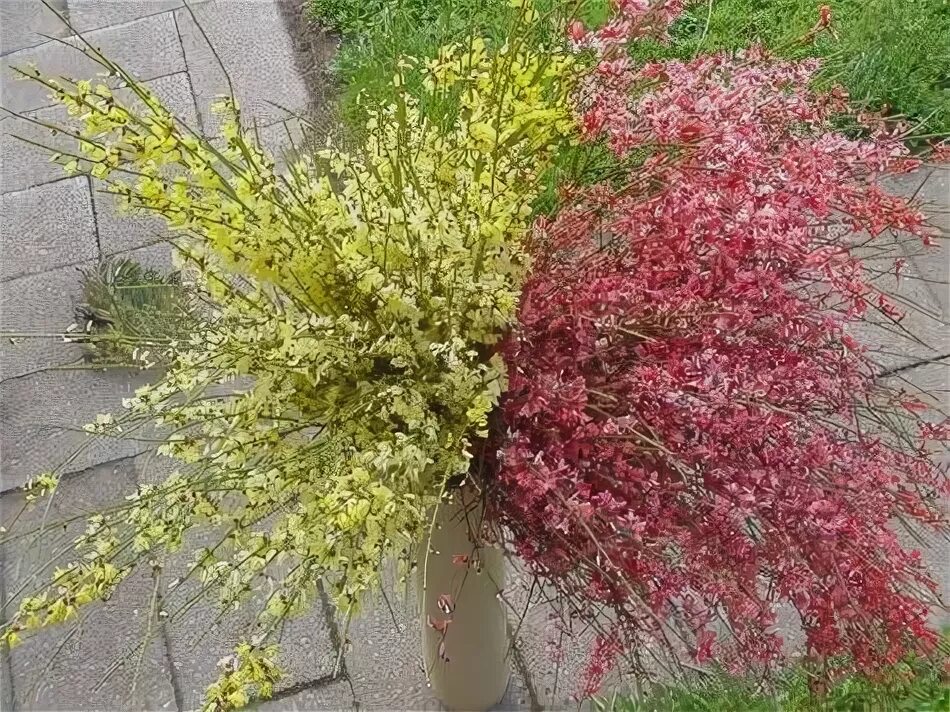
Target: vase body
x=464, y=625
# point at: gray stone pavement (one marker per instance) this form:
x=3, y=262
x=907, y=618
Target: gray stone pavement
x=51, y=225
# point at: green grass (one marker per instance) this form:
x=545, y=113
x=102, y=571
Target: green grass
x=917, y=684
x=376, y=32
x=792, y=695
x=888, y=52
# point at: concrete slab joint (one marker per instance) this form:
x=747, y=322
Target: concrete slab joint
x=148, y=48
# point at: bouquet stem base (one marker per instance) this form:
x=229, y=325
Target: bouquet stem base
x=464, y=626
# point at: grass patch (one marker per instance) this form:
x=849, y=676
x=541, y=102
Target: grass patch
x=917, y=684
x=376, y=32
x=892, y=53
x=888, y=53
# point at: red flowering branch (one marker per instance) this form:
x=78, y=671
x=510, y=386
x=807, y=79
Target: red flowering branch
x=694, y=439
x=822, y=25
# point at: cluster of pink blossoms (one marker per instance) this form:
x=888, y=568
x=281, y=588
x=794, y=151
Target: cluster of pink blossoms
x=694, y=440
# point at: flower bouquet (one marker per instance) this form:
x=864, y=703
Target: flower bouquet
x=654, y=394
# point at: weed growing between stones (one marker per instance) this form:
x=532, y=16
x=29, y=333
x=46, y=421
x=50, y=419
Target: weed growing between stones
x=133, y=315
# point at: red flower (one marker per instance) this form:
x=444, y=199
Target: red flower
x=446, y=603
x=439, y=624
x=688, y=428
x=576, y=31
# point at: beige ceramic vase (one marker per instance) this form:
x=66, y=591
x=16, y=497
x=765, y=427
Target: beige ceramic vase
x=464, y=626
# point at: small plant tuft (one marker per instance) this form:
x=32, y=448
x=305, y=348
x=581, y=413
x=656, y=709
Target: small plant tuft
x=132, y=314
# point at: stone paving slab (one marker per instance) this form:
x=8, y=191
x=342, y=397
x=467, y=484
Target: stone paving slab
x=922, y=291
x=157, y=256
x=120, y=230
x=383, y=652
x=174, y=91
x=23, y=165
x=384, y=657
x=235, y=28
x=553, y=662
x=39, y=304
x=934, y=264
x=59, y=668
x=907, y=184
x=201, y=636
x=282, y=141
x=333, y=695
x=86, y=15
x=40, y=417
x=148, y=48
x=920, y=334
x=24, y=22
x=47, y=227
x=6, y=678
x=204, y=635
x=930, y=383
x=198, y=641
x=336, y=695
x=909, y=286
